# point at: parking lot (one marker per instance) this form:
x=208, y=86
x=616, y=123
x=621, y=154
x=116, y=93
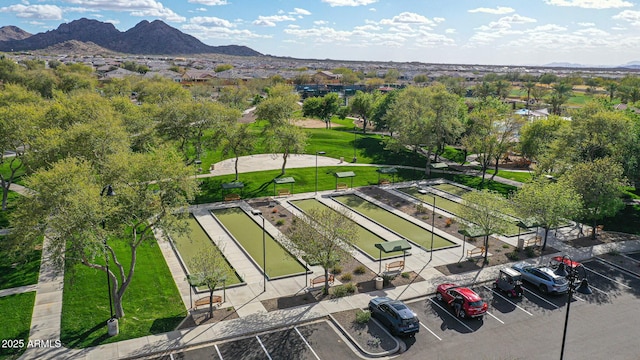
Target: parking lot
x=603, y=324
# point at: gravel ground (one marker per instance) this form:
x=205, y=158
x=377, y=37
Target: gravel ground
x=370, y=337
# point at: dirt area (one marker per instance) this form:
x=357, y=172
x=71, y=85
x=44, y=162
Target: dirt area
x=369, y=336
x=201, y=316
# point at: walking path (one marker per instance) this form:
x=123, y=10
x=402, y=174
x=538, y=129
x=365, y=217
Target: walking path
x=246, y=300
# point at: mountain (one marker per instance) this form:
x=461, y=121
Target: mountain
x=12, y=33
x=153, y=38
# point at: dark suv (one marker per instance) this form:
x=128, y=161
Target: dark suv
x=395, y=315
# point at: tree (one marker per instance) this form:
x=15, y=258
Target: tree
x=287, y=139
x=324, y=107
x=210, y=269
x=599, y=183
x=323, y=236
x=363, y=105
x=67, y=206
x=537, y=139
x=236, y=97
x=485, y=210
x=529, y=86
x=278, y=107
x=236, y=139
x=547, y=203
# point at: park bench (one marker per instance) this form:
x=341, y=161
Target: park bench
x=534, y=241
x=479, y=251
x=394, y=265
x=205, y=301
x=598, y=230
x=231, y=197
x=341, y=186
x=384, y=182
x=320, y=280
x=284, y=192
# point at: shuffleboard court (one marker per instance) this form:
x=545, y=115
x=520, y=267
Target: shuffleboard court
x=403, y=227
x=366, y=240
x=248, y=234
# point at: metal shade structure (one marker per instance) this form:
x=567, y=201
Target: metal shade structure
x=392, y=246
x=471, y=232
x=439, y=165
x=283, y=180
x=344, y=175
x=387, y=170
x=231, y=186
x=526, y=224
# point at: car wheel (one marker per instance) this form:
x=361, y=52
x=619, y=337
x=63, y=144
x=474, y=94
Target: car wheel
x=479, y=318
x=495, y=286
x=439, y=296
x=543, y=289
x=461, y=314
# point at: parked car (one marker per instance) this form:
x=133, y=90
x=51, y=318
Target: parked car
x=580, y=270
x=543, y=278
x=464, y=302
x=395, y=315
x=509, y=281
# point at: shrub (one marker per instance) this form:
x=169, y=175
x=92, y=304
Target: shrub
x=505, y=246
x=420, y=208
x=363, y=316
x=360, y=270
x=448, y=222
x=513, y=256
x=344, y=290
x=386, y=279
x=530, y=251
x=280, y=222
x=346, y=277
x=274, y=210
x=406, y=275
x=337, y=269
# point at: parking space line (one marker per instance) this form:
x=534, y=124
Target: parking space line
x=218, y=351
x=490, y=314
x=429, y=330
x=595, y=288
x=619, y=268
x=507, y=300
x=608, y=278
x=453, y=316
x=541, y=298
x=306, y=343
x=263, y=348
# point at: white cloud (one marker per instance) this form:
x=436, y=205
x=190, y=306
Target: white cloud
x=225, y=33
x=586, y=24
x=334, y=3
x=142, y=8
x=41, y=12
x=499, y=10
x=209, y=2
x=272, y=20
x=298, y=11
x=449, y=31
x=591, y=4
x=211, y=21
x=406, y=18
x=321, y=22
x=631, y=16
x=79, y=10
x=113, y=21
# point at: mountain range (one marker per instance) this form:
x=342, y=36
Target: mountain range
x=152, y=38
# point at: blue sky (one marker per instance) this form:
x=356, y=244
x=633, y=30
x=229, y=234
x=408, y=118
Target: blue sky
x=523, y=32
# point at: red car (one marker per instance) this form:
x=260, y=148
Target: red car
x=464, y=302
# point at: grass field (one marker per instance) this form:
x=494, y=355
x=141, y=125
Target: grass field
x=249, y=234
x=15, y=312
x=407, y=229
x=519, y=176
x=20, y=272
x=365, y=239
x=191, y=245
x=152, y=303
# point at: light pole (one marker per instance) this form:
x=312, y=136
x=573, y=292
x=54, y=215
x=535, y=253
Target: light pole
x=433, y=219
x=318, y=153
x=264, y=252
x=112, y=323
x=571, y=274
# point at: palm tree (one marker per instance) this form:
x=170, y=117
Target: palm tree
x=529, y=86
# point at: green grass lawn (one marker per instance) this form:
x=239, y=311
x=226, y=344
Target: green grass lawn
x=152, y=303
x=365, y=239
x=407, y=229
x=249, y=234
x=20, y=272
x=15, y=312
x=11, y=205
x=191, y=245
x=519, y=176
x=260, y=184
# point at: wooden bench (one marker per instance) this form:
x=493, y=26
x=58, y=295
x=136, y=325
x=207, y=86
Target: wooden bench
x=320, y=280
x=384, y=182
x=231, y=197
x=341, y=186
x=598, y=229
x=205, y=301
x=284, y=192
x=534, y=241
x=394, y=265
x=479, y=251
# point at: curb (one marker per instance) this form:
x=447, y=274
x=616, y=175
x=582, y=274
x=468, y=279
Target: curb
x=357, y=345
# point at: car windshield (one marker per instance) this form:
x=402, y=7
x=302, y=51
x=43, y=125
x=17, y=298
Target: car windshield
x=560, y=280
x=475, y=303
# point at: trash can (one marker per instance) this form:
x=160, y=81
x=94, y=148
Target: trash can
x=112, y=327
x=520, y=243
x=379, y=283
